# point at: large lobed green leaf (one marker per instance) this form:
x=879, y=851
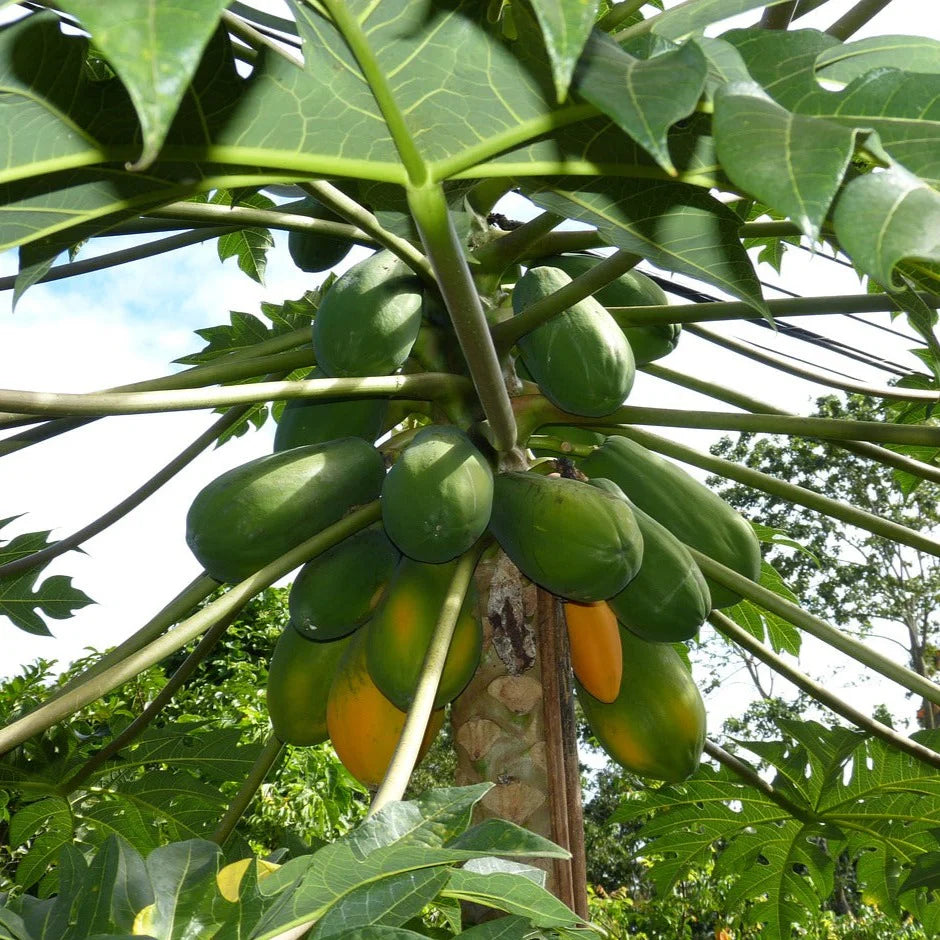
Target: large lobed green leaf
x=850, y=793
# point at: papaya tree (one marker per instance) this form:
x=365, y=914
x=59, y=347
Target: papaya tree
x=457, y=473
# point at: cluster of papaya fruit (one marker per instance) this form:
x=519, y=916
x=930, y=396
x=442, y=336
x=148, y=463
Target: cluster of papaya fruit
x=607, y=538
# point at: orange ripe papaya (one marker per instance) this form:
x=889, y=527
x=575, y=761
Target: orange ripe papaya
x=364, y=726
x=595, y=648
x=656, y=725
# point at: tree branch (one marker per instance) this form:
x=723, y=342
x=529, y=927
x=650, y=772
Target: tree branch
x=871, y=451
x=730, y=629
x=262, y=767
x=405, y=756
x=89, y=689
x=426, y=386
x=794, y=614
x=856, y=18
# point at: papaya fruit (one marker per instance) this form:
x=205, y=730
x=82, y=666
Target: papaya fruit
x=437, y=497
x=299, y=680
x=594, y=647
x=256, y=512
x=580, y=359
x=632, y=289
x=573, y=539
x=400, y=633
x=311, y=251
x=339, y=590
x=305, y=421
x=668, y=600
x=368, y=320
x=656, y=725
x=364, y=725
x=693, y=513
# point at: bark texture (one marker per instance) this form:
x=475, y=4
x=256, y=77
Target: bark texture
x=514, y=725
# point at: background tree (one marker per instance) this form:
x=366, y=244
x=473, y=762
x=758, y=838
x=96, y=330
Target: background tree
x=851, y=577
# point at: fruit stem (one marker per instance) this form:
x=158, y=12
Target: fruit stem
x=871, y=451
x=405, y=757
x=268, y=757
x=794, y=426
x=426, y=386
x=445, y=252
x=194, y=593
x=785, y=490
x=246, y=216
x=563, y=447
x=115, y=513
x=500, y=252
x=507, y=333
x=335, y=199
x=143, y=720
x=274, y=355
x=89, y=689
x=815, y=626
x=726, y=626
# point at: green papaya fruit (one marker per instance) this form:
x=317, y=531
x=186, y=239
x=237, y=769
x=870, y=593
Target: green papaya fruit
x=369, y=319
x=304, y=421
x=668, y=600
x=311, y=251
x=254, y=513
x=437, y=497
x=690, y=510
x=573, y=539
x=580, y=359
x=339, y=590
x=656, y=725
x=633, y=289
x=400, y=632
x=298, y=685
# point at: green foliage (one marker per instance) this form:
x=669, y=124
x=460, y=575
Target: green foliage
x=22, y=599
x=383, y=874
x=834, y=791
x=644, y=130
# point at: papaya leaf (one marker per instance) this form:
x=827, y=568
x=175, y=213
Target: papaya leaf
x=183, y=878
x=886, y=217
x=851, y=793
x=566, y=25
x=510, y=927
x=673, y=225
x=645, y=97
x=432, y=819
x=724, y=64
x=47, y=826
x=850, y=60
x=794, y=163
x=154, y=46
x=510, y=891
x=249, y=245
x=22, y=599
x=902, y=108
x=392, y=901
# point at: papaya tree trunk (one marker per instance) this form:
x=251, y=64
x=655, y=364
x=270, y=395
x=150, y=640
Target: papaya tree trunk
x=514, y=724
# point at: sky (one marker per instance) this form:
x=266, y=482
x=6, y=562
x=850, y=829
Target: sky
x=125, y=324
